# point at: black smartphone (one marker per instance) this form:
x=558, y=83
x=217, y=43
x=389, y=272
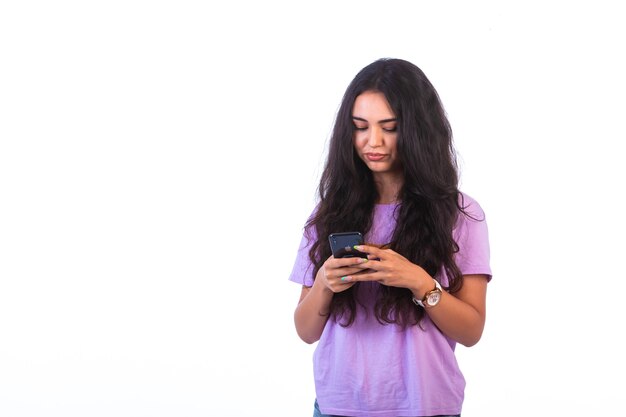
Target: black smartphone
x=342, y=244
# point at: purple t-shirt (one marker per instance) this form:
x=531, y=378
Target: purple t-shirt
x=375, y=370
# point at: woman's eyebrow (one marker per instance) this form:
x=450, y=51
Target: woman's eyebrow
x=393, y=119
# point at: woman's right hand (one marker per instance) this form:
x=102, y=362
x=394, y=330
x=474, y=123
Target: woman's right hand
x=333, y=271
x=313, y=308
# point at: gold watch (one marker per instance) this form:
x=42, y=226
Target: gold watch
x=431, y=298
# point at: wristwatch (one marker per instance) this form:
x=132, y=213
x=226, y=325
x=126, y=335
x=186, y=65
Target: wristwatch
x=431, y=298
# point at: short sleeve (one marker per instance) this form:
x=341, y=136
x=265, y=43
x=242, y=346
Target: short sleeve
x=302, y=271
x=472, y=236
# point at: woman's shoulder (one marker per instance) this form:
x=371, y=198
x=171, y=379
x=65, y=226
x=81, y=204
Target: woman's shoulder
x=470, y=207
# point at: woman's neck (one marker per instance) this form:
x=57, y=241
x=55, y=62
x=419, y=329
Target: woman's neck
x=388, y=187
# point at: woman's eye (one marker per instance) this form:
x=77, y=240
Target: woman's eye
x=360, y=128
x=390, y=129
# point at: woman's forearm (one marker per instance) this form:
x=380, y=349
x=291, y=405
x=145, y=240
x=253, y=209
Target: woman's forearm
x=312, y=312
x=461, y=316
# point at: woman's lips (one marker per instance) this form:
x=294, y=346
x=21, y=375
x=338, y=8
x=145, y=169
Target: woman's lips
x=375, y=156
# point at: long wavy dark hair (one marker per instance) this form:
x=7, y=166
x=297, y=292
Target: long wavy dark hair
x=430, y=201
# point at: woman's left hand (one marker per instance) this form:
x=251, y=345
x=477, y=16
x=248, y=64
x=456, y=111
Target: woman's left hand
x=392, y=269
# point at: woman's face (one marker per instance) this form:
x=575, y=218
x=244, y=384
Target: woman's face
x=375, y=135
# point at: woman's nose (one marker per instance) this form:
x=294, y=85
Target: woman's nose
x=376, y=137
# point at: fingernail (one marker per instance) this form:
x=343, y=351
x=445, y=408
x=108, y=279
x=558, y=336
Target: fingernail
x=343, y=278
x=357, y=247
x=363, y=260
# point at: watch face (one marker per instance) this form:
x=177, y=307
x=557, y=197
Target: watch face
x=433, y=298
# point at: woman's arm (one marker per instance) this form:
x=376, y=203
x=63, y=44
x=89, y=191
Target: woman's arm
x=460, y=316
x=312, y=312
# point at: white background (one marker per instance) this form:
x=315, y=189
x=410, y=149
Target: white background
x=159, y=158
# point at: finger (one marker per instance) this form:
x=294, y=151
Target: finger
x=355, y=261
x=341, y=286
x=372, y=251
x=346, y=262
x=340, y=283
x=342, y=272
x=364, y=276
x=373, y=263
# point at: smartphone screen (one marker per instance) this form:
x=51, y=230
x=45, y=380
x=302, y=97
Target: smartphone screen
x=342, y=244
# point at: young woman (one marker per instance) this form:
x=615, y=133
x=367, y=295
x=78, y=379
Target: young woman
x=387, y=324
